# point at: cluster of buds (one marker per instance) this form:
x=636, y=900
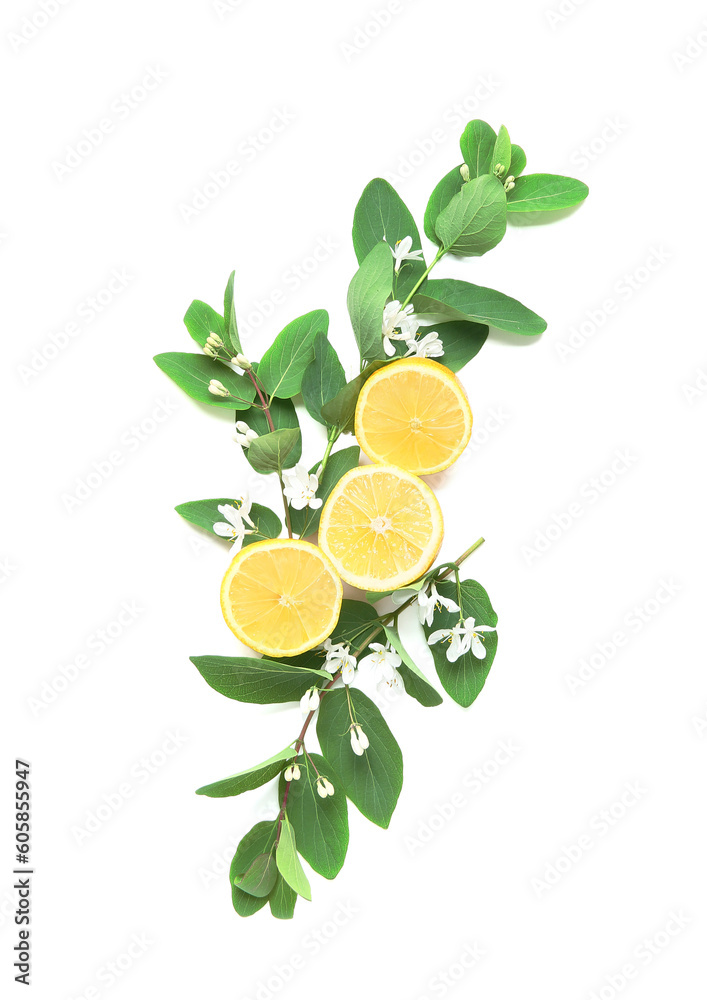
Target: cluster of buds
x=213, y=345
x=359, y=740
x=324, y=787
x=309, y=702
x=218, y=388
x=244, y=435
x=510, y=183
x=292, y=773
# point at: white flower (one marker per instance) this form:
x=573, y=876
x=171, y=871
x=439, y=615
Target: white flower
x=324, y=787
x=429, y=347
x=477, y=641
x=301, y=488
x=402, y=252
x=309, y=702
x=292, y=773
x=218, y=388
x=384, y=663
x=359, y=740
x=234, y=527
x=244, y=435
x=462, y=638
x=427, y=603
x=339, y=658
x=402, y=319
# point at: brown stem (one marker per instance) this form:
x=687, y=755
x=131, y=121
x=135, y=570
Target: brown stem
x=271, y=425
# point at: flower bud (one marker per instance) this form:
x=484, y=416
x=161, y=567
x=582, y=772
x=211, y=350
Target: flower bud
x=213, y=340
x=321, y=788
x=218, y=388
x=329, y=788
x=289, y=773
x=509, y=185
x=208, y=350
x=464, y=171
x=242, y=361
x=295, y=772
x=309, y=702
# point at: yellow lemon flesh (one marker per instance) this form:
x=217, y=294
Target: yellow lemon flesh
x=413, y=413
x=281, y=597
x=381, y=527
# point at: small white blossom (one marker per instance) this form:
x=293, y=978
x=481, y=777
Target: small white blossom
x=218, y=388
x=301, y=489
x=324, y=787
x=384, y=663
x=464, y=171
x=309, y=702
x=510, y=183
x=244, y=435
x=359, y=740
x=462, y=638
x=234, y=527
x=429, y=347
x=339, y=658
x=429, y=601
x=402, y=252
x=292, y=773
x=403, y=319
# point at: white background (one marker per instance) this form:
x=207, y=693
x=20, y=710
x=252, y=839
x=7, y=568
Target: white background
x=623, y=80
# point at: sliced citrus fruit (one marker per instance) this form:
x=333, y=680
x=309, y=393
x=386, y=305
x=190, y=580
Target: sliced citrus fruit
x=281, y=597
x=415, y=414
x=381, y=527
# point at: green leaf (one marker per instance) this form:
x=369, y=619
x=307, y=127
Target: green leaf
x=193, y=372
x=282, y=414
x=381, y=214
x=230, y=337
x=368, y=292
x=258, y=682
x=356, y=621
x=477, y=145
x=464, y=679
x=502, y=151
x=306, y=521
x=270, y=452
x=518, y=161
x=246, y=781
x=462, y=341
x=258, y=840
x=450, y=185
x=321, y=825
x=201, y=320
x=282, y=366
x=282, y=900
x=416, y=684
x=474, y=221
x=288, y=862
x=205, y=514
x=373, y=781
x=545, y=193
x=323, y=379
x=448, y=299
x=260, y=878
x=341, y=410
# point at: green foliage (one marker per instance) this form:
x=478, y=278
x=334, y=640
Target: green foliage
x=477, y=144
x=323, y=378
x=341, y=410
x=201, y=320
x=230, y=326
x=368, y=293
x=283, y=365
x=474, y=221
x=260, y=682
x=205, y=514
x=381, y=214
x=502, y=151
x=321, y=825
x=193, y=372
x=374, y=780
x=416, y=684
x=464, y=679
x=450, y=185
x=518, y=161
x=252, y=777
x=448, y=299
x=288, y=862
x=283, y=416
x=282, y=900
x=545, y=193
x=260, y=877
x=259, y=840
x=273, y=452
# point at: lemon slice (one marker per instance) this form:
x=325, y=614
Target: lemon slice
x=281, y=597
x=381, y=527
x=413, y=413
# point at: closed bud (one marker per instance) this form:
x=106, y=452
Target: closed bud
x=218, y=388
x=321, y=788
x=509, y=185
x=328, y=786
x=242, y=361
x=213, y=340
x=464, y=171
x=289, y=773
x=208, y=350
